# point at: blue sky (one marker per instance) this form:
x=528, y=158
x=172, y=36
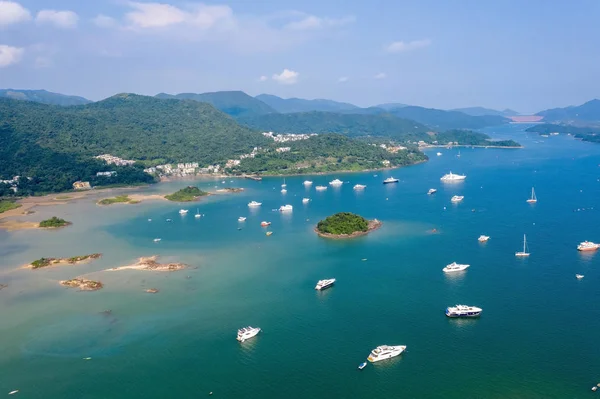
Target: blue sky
x=526, y=55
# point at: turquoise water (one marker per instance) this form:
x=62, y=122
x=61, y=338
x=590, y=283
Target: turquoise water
x=537, y=337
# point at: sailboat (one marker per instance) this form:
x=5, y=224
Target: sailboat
x=524, y=253
x=284, y=185
x=197, y=215
x=533, y=198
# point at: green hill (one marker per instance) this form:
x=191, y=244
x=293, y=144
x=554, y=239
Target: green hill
x=440, y=120
x=585, y=133
x=585, y=113
x=351, y=125
x=43, y=96
x=234, y=103
x=480, y=111
x=291, y=105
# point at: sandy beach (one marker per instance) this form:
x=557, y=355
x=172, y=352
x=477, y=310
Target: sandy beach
x=150, y=263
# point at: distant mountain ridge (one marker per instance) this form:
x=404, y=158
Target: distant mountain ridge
x=43, y=96
x=441, y=120
x=481, y=111
x=588, y=112
x=292, y=105
x=234, y=103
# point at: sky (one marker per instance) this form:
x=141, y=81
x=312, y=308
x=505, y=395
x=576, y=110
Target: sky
x=525, y=55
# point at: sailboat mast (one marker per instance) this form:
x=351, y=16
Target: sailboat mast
x=524, y=243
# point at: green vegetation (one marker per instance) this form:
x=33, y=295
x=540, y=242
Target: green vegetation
x=468, y=137
x=188, y=194
x=585, y=133
x=585, y=113
x=292, y=105
x=54, y=222
x=234, y=103
x=8, y=205
x=343, y=223
x=42, y=262
x=83, y=284
x=43, y=96
x=480, y=111
x=351, y=125
x=443, y=120
x=117, y=199
x=326, y=153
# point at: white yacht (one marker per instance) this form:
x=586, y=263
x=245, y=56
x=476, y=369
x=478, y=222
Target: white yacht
x=156, y=239
x=324, y=284
x=452, y=177
x=579, y=276
x=463, y=311
x=254, y=204
x=524, y=253
x=390, y=180
x=183, y=211
x=305, y=200
x=385, y=352
x=533, y=198
x=246, y=333
x=241, y=219
x=454, y=267
x=359, y=186
x=336, y=183
x=307, y=183
x=432, y=191
x=286, y=208
x=483, y=238
x=457, y=198
x=587, y=246
x=283, y=191
x=321, y=188
x=439, y=154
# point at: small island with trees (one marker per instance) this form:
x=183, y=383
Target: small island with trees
x=188, y=194
x=123, y=199
x=83, y=284
x=45, y=262
x=346, y=225
x=53, y=223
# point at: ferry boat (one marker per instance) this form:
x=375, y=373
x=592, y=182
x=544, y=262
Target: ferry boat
x=157, y=239
x=483, y=238
x=286, y=208
x=533, y=198
x=359, y=186
x=385, y=352
x=454, y=267
x=336, y=182
x=246, y=333
x=390, y=180
x=183, y=211
x=254, y=204
x=463, y=311
x=432, y=191
x=321, y=188
x=524, y=253
x=241, y=219
x=307, y=183
x=265, y=224
x=452, y=177
x=457, y=198
x=587, y=246
x=324, y=284
x=305, y=200
x=362, y=365
x=579, y=276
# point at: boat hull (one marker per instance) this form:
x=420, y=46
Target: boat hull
x=324, y=287
x=386, y=356
x=390, y=182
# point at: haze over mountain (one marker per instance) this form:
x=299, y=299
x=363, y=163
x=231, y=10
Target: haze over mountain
x=588, y=112
x=234, y=103
x=43, y=96
x=443, y=120
x=290, y=105
x=481, y=111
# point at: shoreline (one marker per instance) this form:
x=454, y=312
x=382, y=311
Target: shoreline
x=373, y=225
x=149, y=263
x=472, y=146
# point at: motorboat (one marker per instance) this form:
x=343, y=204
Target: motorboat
x=265, y=224
x=324, y=284
x=483, y=238
x=362, y=365
x=587, y=246
x=156, y=239
x=242, y=219
x=390, y=180
x=457, y=198
x=286, y=208
x=305, y=200
x=432, y=191
x=246, y=333
x=451, y=177
x=283, y=191
x=183, y=211
x=359, y=186
x=455, y=267
x=579, y=276
x=385, y=352
x=307, y=183
x=463, y=311
x=321, y=188
x=254, y=204
x=336, y=183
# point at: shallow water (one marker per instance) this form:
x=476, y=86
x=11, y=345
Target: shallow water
x=537, y=337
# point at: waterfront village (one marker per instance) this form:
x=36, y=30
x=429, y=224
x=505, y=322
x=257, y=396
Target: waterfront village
x=194, y=168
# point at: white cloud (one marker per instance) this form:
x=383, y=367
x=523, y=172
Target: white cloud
x=263, y=78
x=43, y=62
x=286, y=77
x=159, y=15
x=10, y=55
x=380, y=75
x=400, y=47
x=312, y=22
x=343, y=79
x=104, y=21
x=12, y=13
x=60, y=19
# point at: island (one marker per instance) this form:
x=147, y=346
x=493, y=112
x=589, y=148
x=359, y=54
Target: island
x=54, y=223
x=188, y=194
x=152, y=290
x=346, y=225
x=83, y=284
x=119, y=199
x=150, y=263
x=7, y=205
x=45, y=262
x=584, y=133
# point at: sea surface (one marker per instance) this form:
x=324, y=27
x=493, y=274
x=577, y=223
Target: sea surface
x=538, y=336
